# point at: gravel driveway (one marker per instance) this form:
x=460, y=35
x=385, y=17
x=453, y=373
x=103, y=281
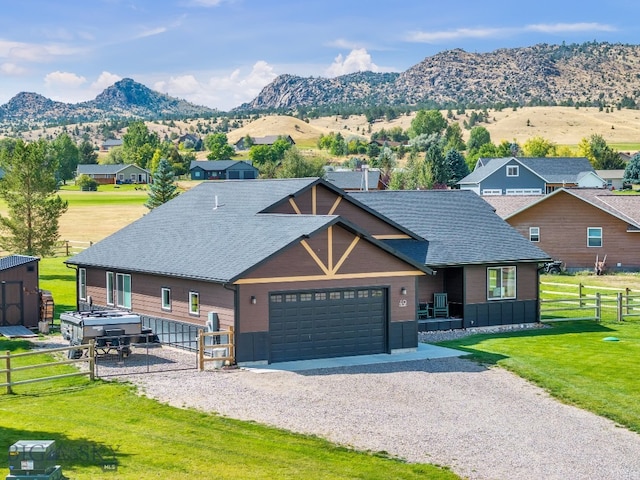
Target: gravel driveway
x=484, y=423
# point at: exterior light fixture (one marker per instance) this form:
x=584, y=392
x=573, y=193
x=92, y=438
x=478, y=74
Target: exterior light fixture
x=403, y=291
x=253, y=300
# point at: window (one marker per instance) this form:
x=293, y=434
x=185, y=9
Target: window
x=123, y=290
x=194, y=303
x=594, y=237
x=492, y=191
x=110, y=288
x=196, y=173
x=534, y=234
x=276, y=298
x=306, y=297
x=513, y=171
x=290, y=298
x=501, y=283
x=82, y=283
x=166, y=298
x=334, y=296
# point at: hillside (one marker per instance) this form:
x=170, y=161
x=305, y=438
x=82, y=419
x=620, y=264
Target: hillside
x=587, y=74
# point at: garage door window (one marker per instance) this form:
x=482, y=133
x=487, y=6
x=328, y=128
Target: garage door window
x=290, y=297
x=349, y=294
x=321, y=296
x=334, y=295
x=276, y=298
x=376, y=293
x=306, y=297
x=363, y=293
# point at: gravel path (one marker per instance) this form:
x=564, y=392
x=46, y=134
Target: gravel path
x=484, y=423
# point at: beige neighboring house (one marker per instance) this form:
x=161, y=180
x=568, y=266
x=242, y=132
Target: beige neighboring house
x=118, y=173
x=613, y=178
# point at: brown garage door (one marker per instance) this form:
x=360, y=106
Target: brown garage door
x=306, y=324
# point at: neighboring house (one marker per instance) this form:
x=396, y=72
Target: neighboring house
x=385, y=143
x=530, y=176
x=19, y=291
x=222, y=170
x=267, y=140
x=612, y=178
x=356, y=180
x=303, y=270
x=577, y=225
x=117, y=173
x=194, y=140
x=110, y=143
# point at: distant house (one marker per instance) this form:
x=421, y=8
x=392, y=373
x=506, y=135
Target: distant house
x=222, y=170
x=385, y=143
x=356, y=180
x=19, y=291
x=194, y=140
x=118, y=173
x=530, y=176
x=267, y=140
x=110, y=143
x=612, y=178
x=576, y=225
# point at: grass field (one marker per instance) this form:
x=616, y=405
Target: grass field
x=571, y=360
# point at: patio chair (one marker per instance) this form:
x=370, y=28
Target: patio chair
x=440, y=305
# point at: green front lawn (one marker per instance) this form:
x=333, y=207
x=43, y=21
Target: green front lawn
x=573, y=362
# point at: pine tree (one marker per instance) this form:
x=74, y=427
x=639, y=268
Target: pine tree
x=29, y=189
x=163, y=187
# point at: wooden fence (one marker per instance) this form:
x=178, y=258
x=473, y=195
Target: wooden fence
x=572, y=305
x=9, y=370
x=220, y=352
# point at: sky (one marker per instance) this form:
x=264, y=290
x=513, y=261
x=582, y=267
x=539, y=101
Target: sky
x=221, y=53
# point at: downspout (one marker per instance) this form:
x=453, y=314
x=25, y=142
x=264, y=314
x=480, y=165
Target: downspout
x=236, y=305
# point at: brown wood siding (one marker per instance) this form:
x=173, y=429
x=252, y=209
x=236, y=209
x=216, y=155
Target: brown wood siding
x=325, y=200
x=476, y=282
x=30, y=290
x=563, y=221
x=146, y=297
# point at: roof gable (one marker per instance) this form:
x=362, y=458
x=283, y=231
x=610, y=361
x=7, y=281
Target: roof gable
x=15, y=260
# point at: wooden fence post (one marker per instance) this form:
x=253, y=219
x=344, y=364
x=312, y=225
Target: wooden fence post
x=598, y=308
x=580, y=294
x=627, y=293
x=92, y=359
x=619, y=306
x=200, y=351
x=66, y=245
x=8, y=367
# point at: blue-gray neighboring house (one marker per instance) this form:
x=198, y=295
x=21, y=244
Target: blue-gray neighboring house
x=530, y=176
x=222, y=170
x=116, y=173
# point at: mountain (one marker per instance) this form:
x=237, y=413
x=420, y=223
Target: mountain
x=590, y=73
x=124, y=99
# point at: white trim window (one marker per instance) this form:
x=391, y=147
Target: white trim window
x=492, y=191
x=594, y=236
x=513, y=170
x=82, y=283
x=110, y=288
x=501, y=283
x=194, y=303
x=166, y=298
x=534, y=234
x=123, y=290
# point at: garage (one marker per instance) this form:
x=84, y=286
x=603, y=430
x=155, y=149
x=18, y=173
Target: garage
x=327, y=323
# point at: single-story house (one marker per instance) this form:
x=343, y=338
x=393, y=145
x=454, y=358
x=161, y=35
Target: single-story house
x=530, y=176
x=266, y=140
x=110, y=143
x=350, y=180
x=576, y=226
x=612, y=178
x=117, y=173
x=189, y=138
x=19, y=291
x=301, y=269
x=222, y=170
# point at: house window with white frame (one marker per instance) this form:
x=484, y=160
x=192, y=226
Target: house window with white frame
x=82, y=283
x=594, y=236
x=501, y=283
x=123, y=290
x=513, y=170
x=110, y=288
x=534, y=234
x=194, y=303
x=166, y=298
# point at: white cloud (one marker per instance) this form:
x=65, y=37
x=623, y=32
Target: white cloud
x=344, y=44
x=223, y=92
x=462, y=33
x=34, y=52
x=205, y=3
x=150, y=32
x=63, y=79
x=12, y=69
x=357, y=60
x=106, y=79
x=570, y=27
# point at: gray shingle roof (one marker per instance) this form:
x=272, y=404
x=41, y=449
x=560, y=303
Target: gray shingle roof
x=113, y=169
x=460, y=226
x=216, y=165
x=15, y=260
x=191, y=237
x=353, y=180
x=550, y=169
